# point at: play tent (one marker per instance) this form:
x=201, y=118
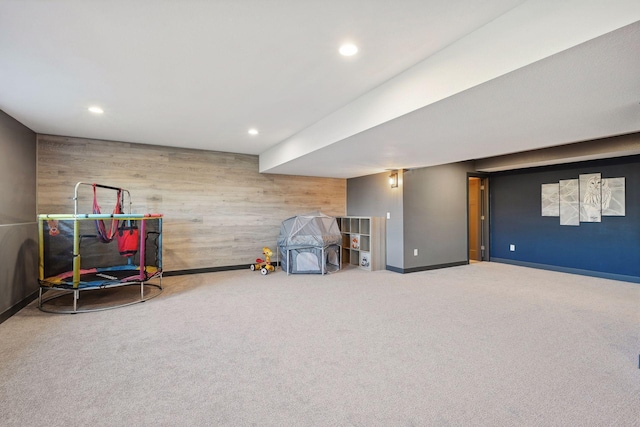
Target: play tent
x=310, y=244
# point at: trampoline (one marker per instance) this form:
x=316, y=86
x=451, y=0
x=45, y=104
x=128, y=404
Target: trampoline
x=82, y=252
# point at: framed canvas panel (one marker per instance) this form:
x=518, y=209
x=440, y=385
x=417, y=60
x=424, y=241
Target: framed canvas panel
x=613, y=197
x=569, y=202
x=590, y=197
x=550, y=199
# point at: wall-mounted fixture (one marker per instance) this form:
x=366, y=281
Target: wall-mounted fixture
x=393, y=179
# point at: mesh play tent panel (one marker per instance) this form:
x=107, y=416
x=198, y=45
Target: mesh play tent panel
x=310, y=244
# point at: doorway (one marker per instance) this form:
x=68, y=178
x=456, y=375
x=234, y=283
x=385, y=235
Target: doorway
x=478, y=227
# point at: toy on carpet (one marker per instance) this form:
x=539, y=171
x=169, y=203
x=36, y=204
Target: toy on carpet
x=264, y=265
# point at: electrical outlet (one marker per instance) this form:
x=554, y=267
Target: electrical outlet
x=388, y=215
x=415, y=252
x=512, y=248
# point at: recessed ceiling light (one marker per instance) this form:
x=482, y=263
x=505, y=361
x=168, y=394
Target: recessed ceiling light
x=253, y=131
x=348, y=49
x=96, y=110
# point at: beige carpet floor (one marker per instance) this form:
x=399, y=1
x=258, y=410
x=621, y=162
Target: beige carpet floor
x=486, y=344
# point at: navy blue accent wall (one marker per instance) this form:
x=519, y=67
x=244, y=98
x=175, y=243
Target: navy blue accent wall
x=611, y=246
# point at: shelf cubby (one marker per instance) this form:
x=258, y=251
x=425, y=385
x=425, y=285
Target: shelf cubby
x=363, y=242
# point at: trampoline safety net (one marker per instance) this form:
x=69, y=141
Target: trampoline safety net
x=99, y=263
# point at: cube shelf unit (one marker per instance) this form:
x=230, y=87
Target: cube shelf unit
x=363, y=242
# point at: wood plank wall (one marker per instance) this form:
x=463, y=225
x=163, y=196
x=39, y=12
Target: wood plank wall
x=218, y=209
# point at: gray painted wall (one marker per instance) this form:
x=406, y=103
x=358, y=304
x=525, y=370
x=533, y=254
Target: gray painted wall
x=371, y=195
x=17, y=171
x=18, y=227
x=435, y=215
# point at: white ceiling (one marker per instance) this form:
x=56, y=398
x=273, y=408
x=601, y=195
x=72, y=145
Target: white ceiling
x=435, y=81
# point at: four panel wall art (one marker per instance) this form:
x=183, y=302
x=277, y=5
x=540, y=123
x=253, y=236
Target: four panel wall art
x=586, y=199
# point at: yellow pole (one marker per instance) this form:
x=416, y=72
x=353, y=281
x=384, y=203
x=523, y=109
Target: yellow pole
x=76, y=253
